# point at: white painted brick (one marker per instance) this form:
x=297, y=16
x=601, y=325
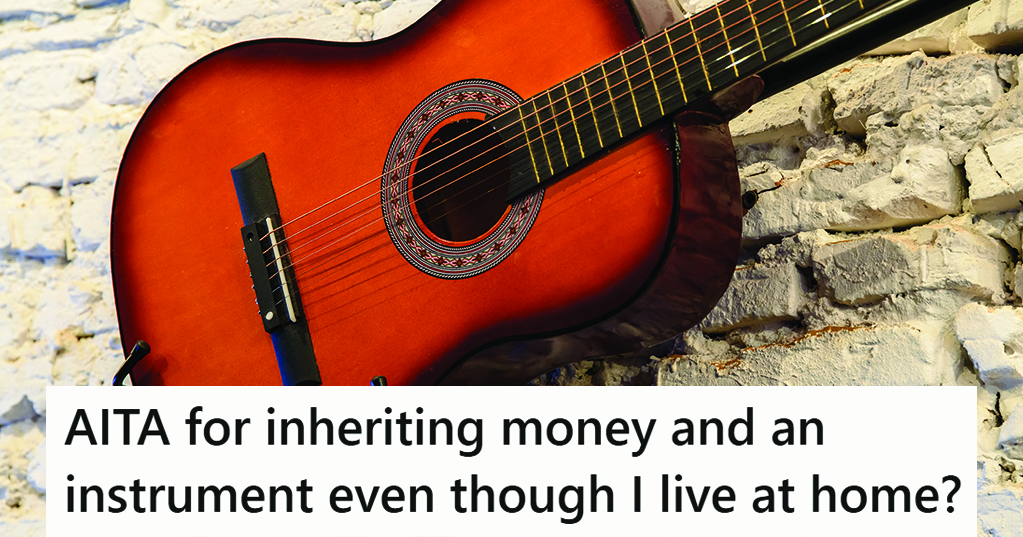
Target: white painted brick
x=35, y=225
x=24, y=528
x=58, y=146
x=993, y=337
x=400, y=15
x=364, y=29
x=45, y=80
x=132, y=72
x=1010, y=438
x=998, y=181
x=368, y=7
x=1005, y=117
x=897, y=85
x=23, y=8
x=920, y=186
x=989, y=190
x=88, y=29
x=795, y=112
x=1000, y=512
x=24, y=376
x=996, y=24
x=952, y=128
x=98, y=3
x=90, y=214
x=155, y=12
x=19, y=450
x=85, y=362
x=937, y=256
x=339, y=25
x=881, y=356
x=758, y=294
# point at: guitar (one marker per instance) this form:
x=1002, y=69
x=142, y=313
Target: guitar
x=457, y=203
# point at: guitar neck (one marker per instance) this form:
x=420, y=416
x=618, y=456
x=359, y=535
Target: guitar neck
x=688, y=62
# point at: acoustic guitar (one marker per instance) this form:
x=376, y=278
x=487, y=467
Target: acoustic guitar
x=499, y=189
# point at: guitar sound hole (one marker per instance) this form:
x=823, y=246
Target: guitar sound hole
x=461, y=180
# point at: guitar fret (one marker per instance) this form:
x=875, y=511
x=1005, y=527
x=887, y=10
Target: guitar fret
x=529, y=148
x=756, y=29
x=554, y=118
x=788, y=23
x=699, y=53
x=571, y=114
x=825, y=14
x=593, y=112
x=612, y=99
x=742, y=38
x=543, y=141
x=678, y=72
x=732, y=40
x=728, y=44
x=653, y=80
x=628, y=80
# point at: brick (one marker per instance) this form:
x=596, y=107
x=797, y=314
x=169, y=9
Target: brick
x=1000, y=512
x=997, y=24
x=993, y=337
x=24, y=8
x=995, y=176
x=898, y=85
x=874, y=356
x=937, y=256
x=35, y=223
x=400, y=15
x=132, y=72
x=46, y=80
x=758, y=294
x=87, y=30
x=793, y=113
x=920, y=186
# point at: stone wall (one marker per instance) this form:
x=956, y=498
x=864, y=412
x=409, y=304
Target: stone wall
x=889, y=255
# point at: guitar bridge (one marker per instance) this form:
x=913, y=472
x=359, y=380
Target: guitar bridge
x=271, y=272
x=273, y=278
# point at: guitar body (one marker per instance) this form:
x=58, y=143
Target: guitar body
x=620, y=254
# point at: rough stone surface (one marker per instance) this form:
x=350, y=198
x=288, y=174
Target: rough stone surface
x=882, y=356
x=1001, y=513
x=838, y=191
x=997, y=24
x=1010, y=438
x=898, y=85
x=994, y=339
x=937, y=256
x=995, y=173
x=779, y=118
x=758, y=294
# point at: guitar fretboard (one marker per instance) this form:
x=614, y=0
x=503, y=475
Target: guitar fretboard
x=658, y=77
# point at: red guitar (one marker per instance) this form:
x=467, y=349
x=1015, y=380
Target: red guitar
x=462, y=202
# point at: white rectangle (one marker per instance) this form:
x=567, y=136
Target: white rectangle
x=907, y=450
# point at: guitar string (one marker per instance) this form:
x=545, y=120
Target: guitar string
x=645, y=73
x=314, y=291
x=308, y=269
x=374, y=207
x=597, y=81
x=297, y=245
